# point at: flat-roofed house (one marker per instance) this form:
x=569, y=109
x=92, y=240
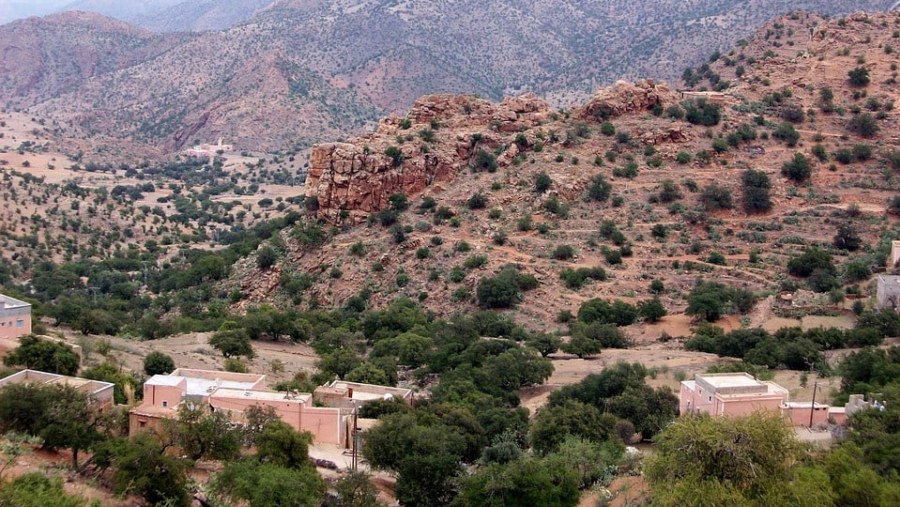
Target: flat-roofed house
x=730, y=394
x=98, y=393
x=343, y=394
x=15, y=318
x=233, y=394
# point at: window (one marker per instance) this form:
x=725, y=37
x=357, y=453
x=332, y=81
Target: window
x=165, y=404
x=20, y=323
x=710, y=399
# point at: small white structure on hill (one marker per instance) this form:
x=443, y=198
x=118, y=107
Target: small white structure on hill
x=894, y=259
x=209, y=150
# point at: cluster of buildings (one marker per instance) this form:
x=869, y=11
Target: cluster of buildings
x=209, y=151
x=327, y=412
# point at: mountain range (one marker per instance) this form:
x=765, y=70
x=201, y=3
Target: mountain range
x=294, y=72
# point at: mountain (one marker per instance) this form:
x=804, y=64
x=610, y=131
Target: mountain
x=50, y=56
x=302, y=71
x=199, y=16
x=639, y=183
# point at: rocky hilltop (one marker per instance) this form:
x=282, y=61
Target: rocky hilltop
x=641, y=181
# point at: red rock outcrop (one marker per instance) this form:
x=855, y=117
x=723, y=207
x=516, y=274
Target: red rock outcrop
x=359, y=178
x=623, y=98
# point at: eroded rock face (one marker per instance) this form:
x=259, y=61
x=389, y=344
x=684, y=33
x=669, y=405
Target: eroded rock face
x=347, y=177
x=623, y=98
x=350, y=181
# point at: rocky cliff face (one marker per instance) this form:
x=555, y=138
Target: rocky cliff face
x=439, y=138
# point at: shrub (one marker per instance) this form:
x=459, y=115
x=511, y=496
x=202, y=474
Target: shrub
x=847, y=238
x=652, y=310
x=683, y=157
x=158, y=363
x=607, y=129
x=485, y=161
x=542, y=182
x=859, y=76
x=266, y=257
x=669, y=192
x=702, y=112
x=659, y=231
x=797, y=169
x=787, y=133
x=793, y=114
x=599, y=189
x=756, y=191
x=564, y=252
x=477, y=201
x=715, y=198
x=630, y=170
x=863, y=124
x=812, y=259
x=394, y=153
x=576, y=278
x=504, y=289
x=819, y=151
x=475, y=261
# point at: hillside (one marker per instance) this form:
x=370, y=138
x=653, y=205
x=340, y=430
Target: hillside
x=668, y=199
x=300, y=72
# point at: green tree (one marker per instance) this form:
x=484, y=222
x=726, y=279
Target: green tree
x=554, y=423
x=141, y=466
x=426, y=457
x=338, y=363
x=544, y=343
x=812, y=259
x=582, y=346
x=652, y=310
x=37, y=490
x=232, y=340
x=43, y=355
x=158, y=363
x=258, y=484
x=281, y=445
x=202, y=434
x=599, y=189
x=715, y=198
x=355, y=490
x=526, y=481
x=734, y=461
x=847, y=238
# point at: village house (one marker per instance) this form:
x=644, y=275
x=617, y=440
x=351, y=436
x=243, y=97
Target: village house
x=15, y=318
x=100, y=394
x=739, y=394
x=327, y=414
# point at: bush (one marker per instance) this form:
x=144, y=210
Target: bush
x=859, y=76
x=394, y=153
x=599, y=189
x=484, y=161
x=683, y=157
x=847, y=238
x=715, y=198
x=702, y=112
x=475, y=261
x=477, y=201
x=266, y=257
x=863, y=124
x=576, y=278
x=787, y=133
x=669, y=192
x=797, y=169
x=503, y=290
x=607, y=129
x=756, y=191
x=652, y=310
x=542, y=182
x=809, y=261
x=564, y=252
x=43, y=355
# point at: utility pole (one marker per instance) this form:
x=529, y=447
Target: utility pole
x=812, y=408
x=354, y=463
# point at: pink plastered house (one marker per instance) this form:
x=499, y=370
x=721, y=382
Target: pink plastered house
x=15, y=318
x=730, y=394
x=739, y=394
x=233, y=394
